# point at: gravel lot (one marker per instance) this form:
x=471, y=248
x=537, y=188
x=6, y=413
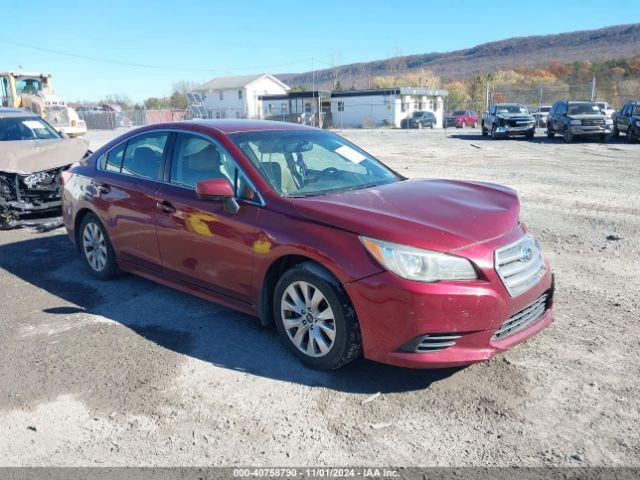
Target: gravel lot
x=132, y=373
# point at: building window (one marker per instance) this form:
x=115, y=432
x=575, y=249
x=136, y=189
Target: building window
x=239, y=94
x=271, y=108
x=284, y=107
x=403, y=106
x=221, y=95
x=341, y=106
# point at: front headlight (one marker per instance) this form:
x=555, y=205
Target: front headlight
x=576, y=122
x=418, y=264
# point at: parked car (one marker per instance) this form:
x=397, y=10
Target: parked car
x=606, y=109
x=419, y=119
x=578, y=119
x=508, y=119
x=462, y=119
x=540, y=114
x=300, y=227
x=32, y=157
x=627, y=121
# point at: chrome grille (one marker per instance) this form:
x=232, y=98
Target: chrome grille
x=522, y=319
x=435, y=342
x=520, y=265
x=592, y=123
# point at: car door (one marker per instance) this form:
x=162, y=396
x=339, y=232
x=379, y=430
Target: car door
x=124, y=191
x=624, y=118
x=200, y=242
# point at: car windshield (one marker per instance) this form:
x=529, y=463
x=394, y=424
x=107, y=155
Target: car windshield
x=417, y=114
x=544, y=109
x=582, y=108
x=310, y=162
x=512, y=109
x=458, y=113
x=26, y=128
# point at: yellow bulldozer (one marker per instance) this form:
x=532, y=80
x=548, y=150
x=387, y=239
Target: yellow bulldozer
x=33, y=91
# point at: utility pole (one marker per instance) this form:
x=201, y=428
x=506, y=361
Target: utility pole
x=313, y=90
x=593, y=89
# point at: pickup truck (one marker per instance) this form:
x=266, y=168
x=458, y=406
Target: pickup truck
x=540, y=114
x=507, y=119
x=606, y=109
x=578, y=119
x=627, y=121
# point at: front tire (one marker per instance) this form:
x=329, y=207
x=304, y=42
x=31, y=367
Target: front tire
x=632, y=135
x=531, y=133
x=315, y=317
x=494, y=133
x=484, y=130
x=97, y=251
x=550, y=133
x=566, y=135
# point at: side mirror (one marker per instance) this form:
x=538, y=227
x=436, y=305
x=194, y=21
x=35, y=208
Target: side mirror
x=218, y=189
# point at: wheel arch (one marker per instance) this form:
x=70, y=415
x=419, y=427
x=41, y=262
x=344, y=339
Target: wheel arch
x=275, y=271
x=83, y=212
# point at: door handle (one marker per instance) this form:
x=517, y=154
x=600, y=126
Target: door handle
x=166, y=207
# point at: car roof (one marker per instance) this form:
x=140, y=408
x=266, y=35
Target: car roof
x=241, y=125
x=7, y=112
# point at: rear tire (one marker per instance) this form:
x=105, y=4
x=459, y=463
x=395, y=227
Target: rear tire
x=484, y=130
x=550, y=133
x=632, y=135
x=616, y=132
x=97, y=251
x=531, y=133
x=315, y=317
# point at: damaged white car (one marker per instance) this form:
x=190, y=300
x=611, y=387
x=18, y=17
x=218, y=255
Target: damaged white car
x=33, y=156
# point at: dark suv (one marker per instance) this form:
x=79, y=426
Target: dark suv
x=578, y=119
x=627, y=121
x=419, y=119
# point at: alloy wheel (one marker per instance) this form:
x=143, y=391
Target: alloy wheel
x=94, y=246
x=308, y=319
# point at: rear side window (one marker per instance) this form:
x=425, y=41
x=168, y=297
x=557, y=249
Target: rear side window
x=112, y=160
x=144, y=155
x=196, y=158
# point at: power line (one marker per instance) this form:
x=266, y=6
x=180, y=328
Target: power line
x=143, y=65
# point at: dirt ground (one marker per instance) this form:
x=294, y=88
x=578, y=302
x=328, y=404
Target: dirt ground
x=131, y=373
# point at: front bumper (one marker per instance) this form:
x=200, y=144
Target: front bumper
x=520, y=130
x=393, y=311
x=584, y=131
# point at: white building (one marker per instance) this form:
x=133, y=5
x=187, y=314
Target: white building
x=238, y=97
x=354, y=108
x=380, y=107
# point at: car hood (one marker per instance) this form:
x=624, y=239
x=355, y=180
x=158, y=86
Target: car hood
x=28, y=156
x=439, y=215
x=514, y=115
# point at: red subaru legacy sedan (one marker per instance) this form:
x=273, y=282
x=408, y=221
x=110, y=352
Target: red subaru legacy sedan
x=302, y=228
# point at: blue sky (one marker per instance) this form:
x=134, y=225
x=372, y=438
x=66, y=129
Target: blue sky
x=198, y=40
